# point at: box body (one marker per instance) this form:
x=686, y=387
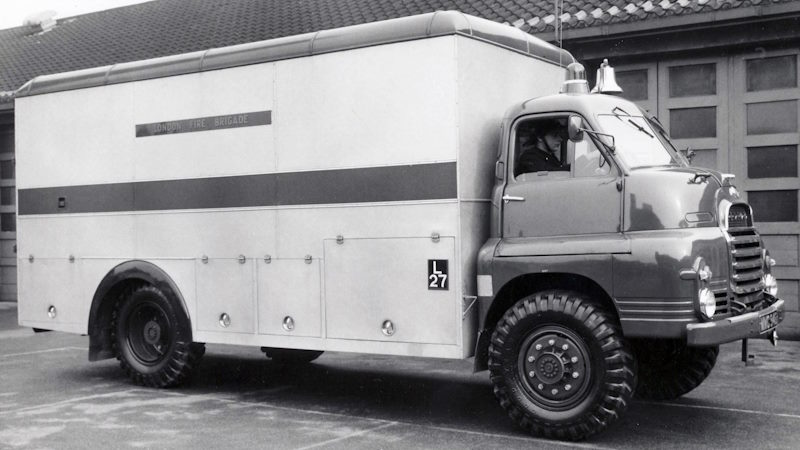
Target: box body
x=316, y=188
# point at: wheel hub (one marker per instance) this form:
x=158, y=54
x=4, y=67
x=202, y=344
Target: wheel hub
x=550, y=368
x=152, y=332
x=555, y=367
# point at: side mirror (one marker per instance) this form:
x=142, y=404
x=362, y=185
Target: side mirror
x=688, y=153
x=575, y=128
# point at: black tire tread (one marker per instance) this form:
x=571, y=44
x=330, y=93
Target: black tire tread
x=182, y=362
x=619, y=380
x=691, y=366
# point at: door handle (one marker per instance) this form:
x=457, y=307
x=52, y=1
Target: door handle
x=511, y=198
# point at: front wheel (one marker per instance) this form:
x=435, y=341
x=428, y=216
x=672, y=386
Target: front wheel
x=560, y=366
x=153, y=338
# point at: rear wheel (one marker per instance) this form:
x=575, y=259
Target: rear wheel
x=153, y=338
x=669, y=369
x=560, y=366
x=291, y=356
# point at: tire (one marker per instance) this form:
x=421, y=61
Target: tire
x=573, y=393
x=152, y=338
x=669, y=369
x=291, y=356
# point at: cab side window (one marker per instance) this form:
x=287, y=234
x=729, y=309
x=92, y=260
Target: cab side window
x=541, y=146
x=588, y=162
x=544, y=151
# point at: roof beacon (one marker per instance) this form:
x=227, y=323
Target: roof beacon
x=576, y=80
x=606, y=80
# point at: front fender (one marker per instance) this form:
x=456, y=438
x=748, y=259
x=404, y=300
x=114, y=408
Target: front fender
x=653, y=299
x=513, y=278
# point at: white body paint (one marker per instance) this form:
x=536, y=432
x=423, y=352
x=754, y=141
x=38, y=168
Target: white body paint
x=423, y=101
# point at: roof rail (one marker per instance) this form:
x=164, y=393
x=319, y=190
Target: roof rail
x=439, y=23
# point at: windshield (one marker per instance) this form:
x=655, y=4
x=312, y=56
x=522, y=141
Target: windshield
x=634, y=140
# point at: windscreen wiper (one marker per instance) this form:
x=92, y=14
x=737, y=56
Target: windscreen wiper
x=640, y=128
x=614, y=111
x=630, y=120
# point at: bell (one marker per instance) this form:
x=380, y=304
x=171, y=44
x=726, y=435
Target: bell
x=606, y=80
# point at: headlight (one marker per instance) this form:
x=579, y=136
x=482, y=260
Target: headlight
x=770, y=285
x=708, y=303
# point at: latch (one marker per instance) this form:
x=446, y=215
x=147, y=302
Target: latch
x=387, y=328
x=512, y=198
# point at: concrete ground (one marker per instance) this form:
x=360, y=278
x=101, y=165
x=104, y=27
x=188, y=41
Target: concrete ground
x=52, y=397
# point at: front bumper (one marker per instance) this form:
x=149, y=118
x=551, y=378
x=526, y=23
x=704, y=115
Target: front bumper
x=734, y=328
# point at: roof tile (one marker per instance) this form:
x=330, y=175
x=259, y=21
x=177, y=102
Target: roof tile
x=165, y=27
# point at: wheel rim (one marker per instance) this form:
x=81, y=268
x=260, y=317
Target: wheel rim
x=148, y=331
x=554, y=367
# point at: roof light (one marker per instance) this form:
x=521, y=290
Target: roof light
x=576, y=80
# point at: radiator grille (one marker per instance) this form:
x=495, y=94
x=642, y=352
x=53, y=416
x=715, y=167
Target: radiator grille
x=746, y=270
x=739, y=217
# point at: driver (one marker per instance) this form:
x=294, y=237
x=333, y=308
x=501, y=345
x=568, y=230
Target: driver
x=542, y=152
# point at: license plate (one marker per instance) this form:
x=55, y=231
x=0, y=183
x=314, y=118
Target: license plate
x=768, y=321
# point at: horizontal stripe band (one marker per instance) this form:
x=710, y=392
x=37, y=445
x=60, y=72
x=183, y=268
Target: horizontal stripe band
x=363, y=185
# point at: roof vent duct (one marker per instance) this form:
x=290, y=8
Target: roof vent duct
x=41, y=22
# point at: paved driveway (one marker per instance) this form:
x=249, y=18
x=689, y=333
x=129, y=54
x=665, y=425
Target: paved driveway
x=52, y=397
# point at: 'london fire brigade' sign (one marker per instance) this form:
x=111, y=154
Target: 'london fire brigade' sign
x=249, y=119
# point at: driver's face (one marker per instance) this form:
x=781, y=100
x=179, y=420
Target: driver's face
x=553, y=140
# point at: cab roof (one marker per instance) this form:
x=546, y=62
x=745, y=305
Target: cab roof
x=587, y=105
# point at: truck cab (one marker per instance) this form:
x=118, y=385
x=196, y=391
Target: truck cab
x=609, y=251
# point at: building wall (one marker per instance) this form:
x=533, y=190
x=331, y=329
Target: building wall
x=8, y=200
x=739, y=112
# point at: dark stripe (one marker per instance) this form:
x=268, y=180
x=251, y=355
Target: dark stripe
x=250, y=119
x=376, y=184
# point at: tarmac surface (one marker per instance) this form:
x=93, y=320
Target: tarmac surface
x=52, y=397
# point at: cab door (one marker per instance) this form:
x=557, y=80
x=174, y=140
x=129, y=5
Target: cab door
x=583, y=198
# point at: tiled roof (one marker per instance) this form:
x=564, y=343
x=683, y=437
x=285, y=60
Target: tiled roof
x=166, y=27
x=541, y=16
